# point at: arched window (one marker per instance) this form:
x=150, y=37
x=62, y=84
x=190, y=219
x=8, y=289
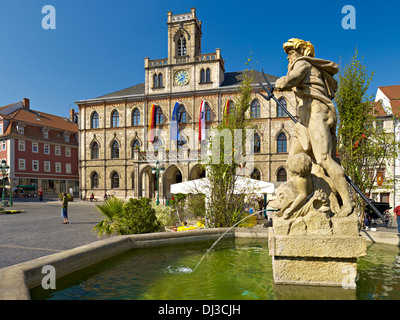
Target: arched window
x=115, y=150
x=95, y=180
x=159, y=116
x=115, y=119
x=181, y=114
x=94, y=152
x=255, y=109
x=94, y=120
x=136, y=117
x=160, y=80
x=279, y=111
x=182, y=46
x=281, y=175
x=115, y=180
x=282, y=143
x=208, y=75
x=257, y=143
x=256, y=174
x=202, y=76
x=135, y=146
x=208, y=112
x=178, y=177
x=155, y=81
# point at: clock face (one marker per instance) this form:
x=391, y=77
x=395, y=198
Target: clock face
x=181, y=77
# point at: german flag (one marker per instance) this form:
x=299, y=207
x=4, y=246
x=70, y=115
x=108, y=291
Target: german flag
x=152, y=121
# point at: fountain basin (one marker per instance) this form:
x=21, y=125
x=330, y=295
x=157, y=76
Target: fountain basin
x=17, y=280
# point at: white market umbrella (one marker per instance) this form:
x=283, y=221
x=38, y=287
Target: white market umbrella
x=242, y=185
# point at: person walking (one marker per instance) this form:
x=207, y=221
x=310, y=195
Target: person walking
x=397, y=212
x=40, y=194
x=64, y=208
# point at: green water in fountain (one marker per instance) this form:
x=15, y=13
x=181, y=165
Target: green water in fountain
x=235, y=269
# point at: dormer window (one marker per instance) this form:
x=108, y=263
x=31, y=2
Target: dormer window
x=45, y=133
x=182, y=46
x=21, y=128
x=66, y=136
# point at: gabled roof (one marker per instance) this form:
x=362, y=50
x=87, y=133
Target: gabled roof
x=236, y=78
x=44, y=120
x=134, y=90
x=15, y=112
x=395, y=104
x=391, y=92
x=230, y=79
x=10, y=108
x=379, y=110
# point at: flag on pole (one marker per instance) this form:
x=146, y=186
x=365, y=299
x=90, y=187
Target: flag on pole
x=202, y=121
x=174, y=132
x=152, y=123
x=379, y=178
x=226, y=110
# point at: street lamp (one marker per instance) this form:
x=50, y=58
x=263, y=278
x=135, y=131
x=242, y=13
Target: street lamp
x=4, y=169
x=156, y=170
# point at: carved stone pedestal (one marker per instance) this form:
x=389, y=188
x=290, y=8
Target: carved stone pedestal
x=320, y=257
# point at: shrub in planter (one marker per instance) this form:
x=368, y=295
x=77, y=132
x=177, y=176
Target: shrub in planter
x=138, y=217
x=111, y=210
x=166, y=215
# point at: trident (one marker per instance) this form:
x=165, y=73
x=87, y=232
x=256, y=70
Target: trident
x=270, y=90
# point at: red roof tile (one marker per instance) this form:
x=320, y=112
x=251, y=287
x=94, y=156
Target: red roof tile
x=378, y=109
x=395, y=107
x=391, y=92
x=44, y=120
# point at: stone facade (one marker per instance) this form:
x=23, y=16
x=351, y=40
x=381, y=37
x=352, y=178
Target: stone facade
x=137, y=156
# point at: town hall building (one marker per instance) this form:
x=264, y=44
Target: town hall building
x=119, y=152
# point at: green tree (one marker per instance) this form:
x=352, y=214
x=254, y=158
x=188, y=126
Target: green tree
x=224, y=206
x=178, y=203
x=363, y=146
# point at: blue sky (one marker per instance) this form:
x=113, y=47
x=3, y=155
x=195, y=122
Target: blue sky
x=99, y=46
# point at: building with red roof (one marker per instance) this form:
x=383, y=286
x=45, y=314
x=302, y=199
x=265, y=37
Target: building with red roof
x=389, y=97
x=40, y=149
x=387, y=113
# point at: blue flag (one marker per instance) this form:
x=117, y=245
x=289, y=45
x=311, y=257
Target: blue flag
x=174, y=132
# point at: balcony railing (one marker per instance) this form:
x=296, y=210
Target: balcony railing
x=158, y=62
x=170, y=156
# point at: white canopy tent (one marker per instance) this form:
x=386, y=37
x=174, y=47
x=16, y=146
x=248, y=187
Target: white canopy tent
x=242, y=185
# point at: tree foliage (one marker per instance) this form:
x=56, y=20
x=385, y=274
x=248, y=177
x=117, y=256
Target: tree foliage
x=364, y=147
x=225, y=207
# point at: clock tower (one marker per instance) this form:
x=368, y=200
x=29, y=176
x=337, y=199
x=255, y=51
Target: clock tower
x=186, y=68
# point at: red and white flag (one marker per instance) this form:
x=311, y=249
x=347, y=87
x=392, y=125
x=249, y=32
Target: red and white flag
x=202, y=121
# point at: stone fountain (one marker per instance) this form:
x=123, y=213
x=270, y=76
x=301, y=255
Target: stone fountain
x=315, y=236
